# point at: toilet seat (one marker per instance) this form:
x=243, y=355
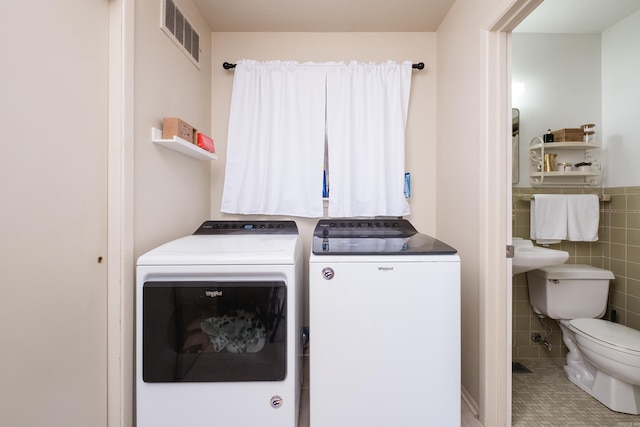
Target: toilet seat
x=608, y=334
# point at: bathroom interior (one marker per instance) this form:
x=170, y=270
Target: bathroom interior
x=564, y=78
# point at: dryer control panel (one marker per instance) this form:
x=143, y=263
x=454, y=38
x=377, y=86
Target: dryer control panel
x=247, y=227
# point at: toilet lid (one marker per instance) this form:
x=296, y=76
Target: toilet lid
x=609, y=333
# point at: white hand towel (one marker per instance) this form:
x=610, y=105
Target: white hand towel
x=583, y=212
x=548, y=218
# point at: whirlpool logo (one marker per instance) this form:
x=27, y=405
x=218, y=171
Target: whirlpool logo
x=213, y=294
x=385, y=269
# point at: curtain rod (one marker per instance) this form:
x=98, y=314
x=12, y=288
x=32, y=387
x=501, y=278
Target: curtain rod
x=229, y=66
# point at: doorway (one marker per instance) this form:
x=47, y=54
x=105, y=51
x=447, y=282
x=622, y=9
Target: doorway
x=529, y=40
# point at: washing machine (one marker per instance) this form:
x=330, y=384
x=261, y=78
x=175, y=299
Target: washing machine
x=218, y=327
x=384, y=322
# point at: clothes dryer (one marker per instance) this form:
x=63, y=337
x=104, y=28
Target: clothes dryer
x=219, y=327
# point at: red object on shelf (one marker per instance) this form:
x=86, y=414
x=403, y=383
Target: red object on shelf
x=206, y=143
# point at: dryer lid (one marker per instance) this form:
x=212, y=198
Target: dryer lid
x=613, y=334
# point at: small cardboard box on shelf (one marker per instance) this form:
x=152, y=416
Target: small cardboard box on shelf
x=172, y=126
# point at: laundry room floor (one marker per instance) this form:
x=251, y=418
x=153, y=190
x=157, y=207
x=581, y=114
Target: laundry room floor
x=545, y=397
x=468, y=419
x=303, y=420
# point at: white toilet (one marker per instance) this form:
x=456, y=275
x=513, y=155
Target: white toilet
x=604, y=357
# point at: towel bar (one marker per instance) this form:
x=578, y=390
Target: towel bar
x=529, y=197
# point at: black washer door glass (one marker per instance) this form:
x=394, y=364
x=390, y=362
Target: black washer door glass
x=213, y=331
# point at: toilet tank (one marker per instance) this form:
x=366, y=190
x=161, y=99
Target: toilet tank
x=569, y=291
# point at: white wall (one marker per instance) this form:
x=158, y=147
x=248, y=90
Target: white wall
x=593, y=80
x=561, y=74
x=172, y=190
x=621, y=102
x=324, y=47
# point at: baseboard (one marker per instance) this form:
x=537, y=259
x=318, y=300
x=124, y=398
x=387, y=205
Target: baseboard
x=473, y=406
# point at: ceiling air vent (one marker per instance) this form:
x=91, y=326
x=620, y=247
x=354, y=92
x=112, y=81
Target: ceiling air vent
x=180, y=30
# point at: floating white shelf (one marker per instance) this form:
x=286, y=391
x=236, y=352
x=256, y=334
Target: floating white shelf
x=569, y=145
x=182, y=146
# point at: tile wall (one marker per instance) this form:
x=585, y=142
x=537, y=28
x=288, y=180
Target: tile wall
x=618, y=250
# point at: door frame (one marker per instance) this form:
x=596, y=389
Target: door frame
x=496, y=302
x=120, y=254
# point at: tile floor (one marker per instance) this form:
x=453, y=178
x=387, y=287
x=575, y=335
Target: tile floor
x=546, y=397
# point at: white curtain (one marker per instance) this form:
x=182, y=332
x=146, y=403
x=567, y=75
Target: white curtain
x=275, y=142
x=367, y=107
x=276, y=137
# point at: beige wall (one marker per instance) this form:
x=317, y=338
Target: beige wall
x=172, y=190
x=472, y=209
x=458, y=192
x=325, y=47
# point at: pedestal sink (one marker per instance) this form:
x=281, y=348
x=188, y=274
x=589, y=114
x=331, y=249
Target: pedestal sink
x=529, y=257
